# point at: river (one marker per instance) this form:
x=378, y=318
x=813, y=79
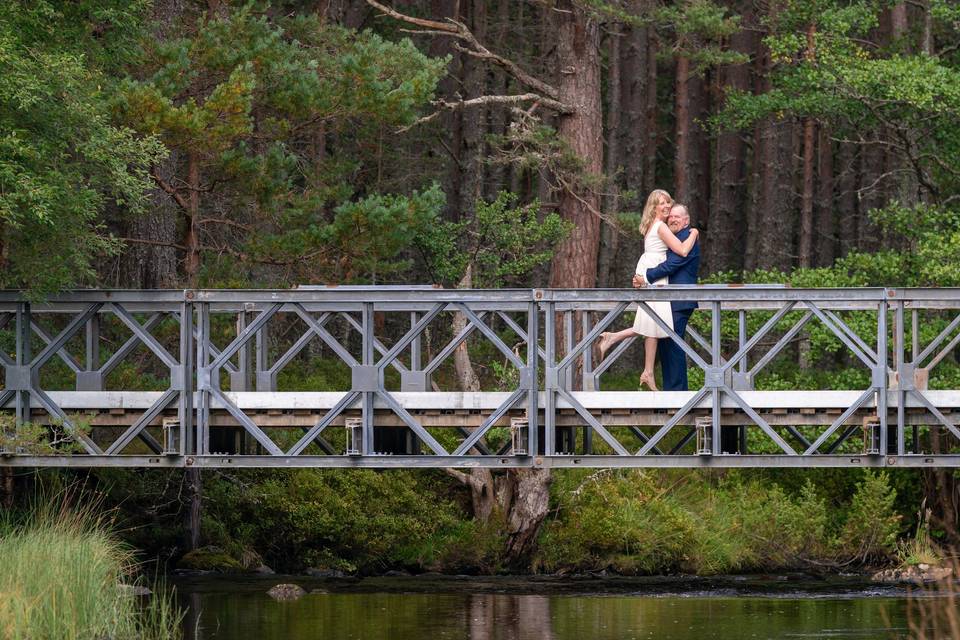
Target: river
x=611, y=608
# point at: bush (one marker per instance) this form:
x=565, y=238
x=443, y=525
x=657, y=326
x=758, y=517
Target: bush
x=635, y=522
x=872, y=524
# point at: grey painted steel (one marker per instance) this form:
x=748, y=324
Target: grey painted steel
x=569, y=319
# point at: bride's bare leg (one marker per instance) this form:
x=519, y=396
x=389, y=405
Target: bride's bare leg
x=608, y=339
x=649, y=358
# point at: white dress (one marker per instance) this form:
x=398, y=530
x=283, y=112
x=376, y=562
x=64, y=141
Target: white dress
x=654, y=252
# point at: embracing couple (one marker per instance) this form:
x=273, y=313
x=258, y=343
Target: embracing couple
x=671, y=255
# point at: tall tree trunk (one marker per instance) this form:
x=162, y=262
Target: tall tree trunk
x=499, y=115
x=775, y=232
x=652, y=137
x=473, y=122
x=610, y=233
x=848, y=170
x=870, y=196
x=726, y=223
x=578, y=59
x=701, y=157
x=681, y=137
x=806, y=199
x=194, y=494
x=191, y=241
x=451, y=121
x=760, y=165
x=826, y=227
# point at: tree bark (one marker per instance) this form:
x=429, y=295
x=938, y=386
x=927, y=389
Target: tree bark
x=869, y=196
x=726, y=223
x=194, y=493
x=848, y=171
x=472, y=121
x=681, y=137
x=152, y=265
x=191, y=241
x=466, y=376
x=499, y=114
x=650, y=153
x=578, y=59
x=806, y=199
x=610, y=233
x=530, y=505
x=826, y=227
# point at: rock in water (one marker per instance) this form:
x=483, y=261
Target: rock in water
x=917, y=574
x=285, y=592
x=133, y=590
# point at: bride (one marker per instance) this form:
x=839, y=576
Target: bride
x=657, y=238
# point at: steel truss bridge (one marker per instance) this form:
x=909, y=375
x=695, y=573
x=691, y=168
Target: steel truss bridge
x=233, y=378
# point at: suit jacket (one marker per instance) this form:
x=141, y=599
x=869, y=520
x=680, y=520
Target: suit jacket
x=679, y=270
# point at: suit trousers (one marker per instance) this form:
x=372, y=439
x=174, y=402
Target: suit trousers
x=673, y=360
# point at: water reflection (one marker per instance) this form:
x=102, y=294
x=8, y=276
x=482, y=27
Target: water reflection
x=229, y=612
x=509, y=617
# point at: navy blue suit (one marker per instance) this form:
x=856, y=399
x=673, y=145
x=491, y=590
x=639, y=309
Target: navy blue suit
x=679, y=270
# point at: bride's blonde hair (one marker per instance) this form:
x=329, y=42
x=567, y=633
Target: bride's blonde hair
x=650, y=209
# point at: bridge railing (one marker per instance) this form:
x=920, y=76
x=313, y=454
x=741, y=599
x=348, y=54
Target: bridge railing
x=229, y=372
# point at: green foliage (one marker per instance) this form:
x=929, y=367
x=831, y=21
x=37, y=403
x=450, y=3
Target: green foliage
x=637, y=522
x=907, y=103
x=700, y=29
x=641, y=522
x=38, y=439
x=872, y=524
x=278, y=117
x=500, y=243
x=362, y=520
x=61, y=158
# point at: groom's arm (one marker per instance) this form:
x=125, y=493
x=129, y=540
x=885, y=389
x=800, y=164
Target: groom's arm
x=672, y=264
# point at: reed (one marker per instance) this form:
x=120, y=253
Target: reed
x=933, y=611
x=61, y=577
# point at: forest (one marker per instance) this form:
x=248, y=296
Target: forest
x=488, y=144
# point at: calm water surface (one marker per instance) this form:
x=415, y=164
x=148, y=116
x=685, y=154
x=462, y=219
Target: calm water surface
x=518, y=609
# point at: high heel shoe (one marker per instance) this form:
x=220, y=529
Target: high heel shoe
x=648, y=379
x=605, y=344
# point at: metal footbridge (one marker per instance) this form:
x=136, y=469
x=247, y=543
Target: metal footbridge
x=365, y=377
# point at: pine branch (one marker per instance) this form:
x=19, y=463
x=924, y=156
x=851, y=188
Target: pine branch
x=166, y=186
x=444, y=105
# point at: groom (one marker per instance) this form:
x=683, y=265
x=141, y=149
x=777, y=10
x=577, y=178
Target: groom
x=680, y=270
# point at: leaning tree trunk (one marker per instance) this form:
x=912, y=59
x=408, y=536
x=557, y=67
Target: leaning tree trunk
x=466, y=376
x=530, y=503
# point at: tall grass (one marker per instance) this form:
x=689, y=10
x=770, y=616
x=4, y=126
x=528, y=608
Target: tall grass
x=60, y=580
x=933, y=612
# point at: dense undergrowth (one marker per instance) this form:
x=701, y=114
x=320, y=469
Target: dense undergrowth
x=629, y=522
